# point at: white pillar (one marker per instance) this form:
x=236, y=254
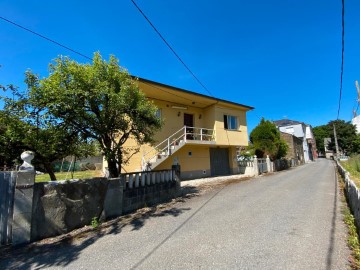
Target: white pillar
x=23, y=200
x=268, y=164
x=131, y=180
x=256, y=166
x=137, y=180
x=143, y=179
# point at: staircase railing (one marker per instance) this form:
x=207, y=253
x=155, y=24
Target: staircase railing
x=163, y=149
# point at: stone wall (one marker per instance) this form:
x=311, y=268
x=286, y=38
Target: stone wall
x=295, y=151
x=62, y=206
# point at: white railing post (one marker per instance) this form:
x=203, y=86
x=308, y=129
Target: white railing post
x=148, y=178
x=201, y=134
x=137, y=180
x=185, y=134
x=131, y=180
x=143, y=179
x=153, y=177
x=168, y=146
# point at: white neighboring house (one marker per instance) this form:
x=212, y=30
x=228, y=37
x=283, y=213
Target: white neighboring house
x=356, y=122
x=302, y=131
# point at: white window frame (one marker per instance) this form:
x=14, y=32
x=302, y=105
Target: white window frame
x=230, y=122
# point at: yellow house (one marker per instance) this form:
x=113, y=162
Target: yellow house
x=200, y=133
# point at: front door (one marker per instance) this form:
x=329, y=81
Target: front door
x=189, y=123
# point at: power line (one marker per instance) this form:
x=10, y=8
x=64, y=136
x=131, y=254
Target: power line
x=46, y=38
x=342, y=53
x=72, y=50
x=167, y=44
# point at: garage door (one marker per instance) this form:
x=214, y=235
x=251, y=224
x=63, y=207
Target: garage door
x=219, y=161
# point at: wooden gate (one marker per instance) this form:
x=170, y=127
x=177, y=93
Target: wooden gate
x=7, y=191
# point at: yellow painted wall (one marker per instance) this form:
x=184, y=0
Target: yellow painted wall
x=210, y=116
x=198, y=160
x=237, y=137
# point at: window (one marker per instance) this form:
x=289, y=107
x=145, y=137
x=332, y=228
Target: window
x=230, y=122
x=158, y=113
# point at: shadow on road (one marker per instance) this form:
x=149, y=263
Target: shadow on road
x=330, y=253
x=63, y=250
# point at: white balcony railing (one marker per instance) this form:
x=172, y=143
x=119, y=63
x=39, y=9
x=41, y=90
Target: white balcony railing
x=174, y=142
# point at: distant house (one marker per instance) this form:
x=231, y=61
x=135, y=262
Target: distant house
x=296, y=150
x=356, y=122
x=301, y=131
x=328, y=153
x=201, y=134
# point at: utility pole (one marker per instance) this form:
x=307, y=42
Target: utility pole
x=336, y=143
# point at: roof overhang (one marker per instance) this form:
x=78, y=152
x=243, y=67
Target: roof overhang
x=163, y=92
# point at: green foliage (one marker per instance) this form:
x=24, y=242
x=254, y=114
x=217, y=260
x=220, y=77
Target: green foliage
x=22, y=129
x=67, y=175
x=266, y=140
x=348, y=140
x=353, y=238
x=320, y=133
x=353, y=167
x=99, y=101
x=95, y=222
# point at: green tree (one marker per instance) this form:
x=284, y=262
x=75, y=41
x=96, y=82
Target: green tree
x=100, y=101
x=346, y=136
x=265, y=138
x=320, y=133
x=49, y=142
x=348, y=140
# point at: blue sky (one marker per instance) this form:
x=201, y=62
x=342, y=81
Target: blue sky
x=281, y=57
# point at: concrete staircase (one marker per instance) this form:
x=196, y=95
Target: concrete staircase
x=163, y=150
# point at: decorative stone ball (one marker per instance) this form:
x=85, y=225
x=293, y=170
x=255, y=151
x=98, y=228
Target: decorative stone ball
x=27, y=156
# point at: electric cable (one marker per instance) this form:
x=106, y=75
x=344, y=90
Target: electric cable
x=342, y=54
x=46, y=38
x=168, y=45
x=74, y=51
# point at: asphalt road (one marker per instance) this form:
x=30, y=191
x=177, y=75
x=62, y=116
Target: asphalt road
x=288, y=220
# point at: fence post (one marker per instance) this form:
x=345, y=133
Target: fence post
x=137, y=180
x=23, y=200
x=143, y=179
x=256, y=166
x=268, y=164
x=131, y=180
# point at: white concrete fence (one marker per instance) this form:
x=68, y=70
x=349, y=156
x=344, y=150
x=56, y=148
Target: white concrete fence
x=352, y=194
x=255, y=166
x=141, y=179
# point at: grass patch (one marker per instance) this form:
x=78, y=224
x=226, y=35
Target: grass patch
x=353, y=238
x=349, y=220
x=66, y=176
x=353, y=167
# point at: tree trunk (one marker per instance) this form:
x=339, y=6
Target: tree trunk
x=113, y=170
x=50, y=171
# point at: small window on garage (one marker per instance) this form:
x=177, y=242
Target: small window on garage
x=158, y=113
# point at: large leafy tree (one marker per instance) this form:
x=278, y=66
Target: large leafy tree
x=25, y=127
x=100, y=101
x=320, y=133
x=348, y=140
x=265, y=138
